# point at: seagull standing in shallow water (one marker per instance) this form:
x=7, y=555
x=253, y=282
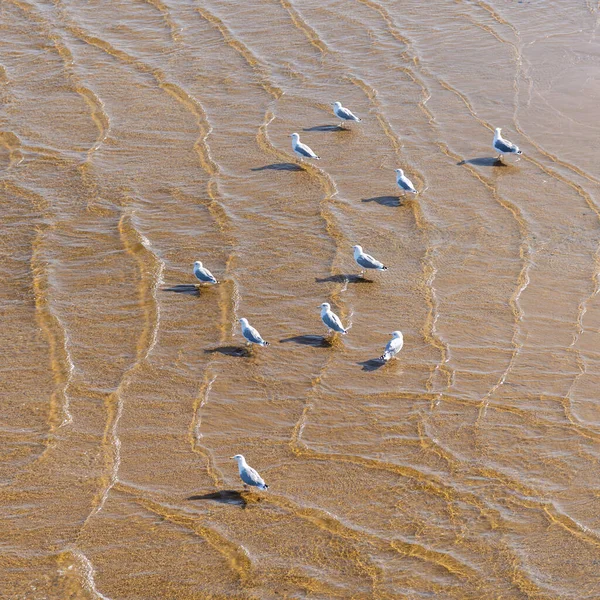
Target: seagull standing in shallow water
x=404, y=183
x=331, y=320
x=249, y=475
x=302, y=150
x=251, y=334
x=343, y=113
x=366, y=261
x=393, y=346
x=504, y=146
x=203, y=274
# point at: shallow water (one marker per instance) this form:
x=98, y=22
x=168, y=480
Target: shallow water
x=139, y=136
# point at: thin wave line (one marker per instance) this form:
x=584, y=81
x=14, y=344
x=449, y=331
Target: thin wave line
x=162, y=8
x=88, y=574
x=309, y=32
x=55, y=331
x=259, y=67
x=145, y=345
x=196, y=435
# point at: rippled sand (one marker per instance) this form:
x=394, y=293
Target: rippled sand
x=139, y=136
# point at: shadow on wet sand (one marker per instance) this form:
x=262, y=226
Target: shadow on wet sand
x=317, y=341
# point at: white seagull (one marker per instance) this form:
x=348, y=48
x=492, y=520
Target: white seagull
x=249, y=475
x=203, y=274
x=393, y=346
x=331, y=320
x=343, y=113
x=404, y=183
x=504, y=146
x=366, y=261
x=251, y=334
x=302, y=150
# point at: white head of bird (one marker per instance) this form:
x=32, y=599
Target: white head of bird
x=243, y=322
x=400, y=171
x=396, y=334
x=357, y=250
x=325, y=307
x=198, y=263
x=295, y=137
x=337, y=105
x=238, y=457
x=497, y=132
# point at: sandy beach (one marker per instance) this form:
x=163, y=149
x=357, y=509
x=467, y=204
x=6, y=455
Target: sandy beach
x=139, y=136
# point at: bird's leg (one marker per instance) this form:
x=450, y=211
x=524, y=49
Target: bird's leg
x=361, y=274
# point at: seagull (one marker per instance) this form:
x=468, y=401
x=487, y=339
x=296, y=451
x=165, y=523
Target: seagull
x=249, y=475
x=302, y=150
x=366, y=260
x=331, y=320
x=504, y=146
x=404, y=183
x=203, y=274
x=393, y=346
x=251, y=334
x=343, y=113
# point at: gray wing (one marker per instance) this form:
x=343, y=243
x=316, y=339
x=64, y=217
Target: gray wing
x=505, y=146
x=304, y=150
x=204, y=275
x=251, y=477
x=394, y=346
x=252, y=335
x=406, y=184
x=368, y=262
x=344, y=113
x=333, y=322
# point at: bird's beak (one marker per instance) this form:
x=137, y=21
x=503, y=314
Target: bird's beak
x=232, y=457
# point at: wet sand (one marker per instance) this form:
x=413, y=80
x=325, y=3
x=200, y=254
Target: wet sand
x=139, y=136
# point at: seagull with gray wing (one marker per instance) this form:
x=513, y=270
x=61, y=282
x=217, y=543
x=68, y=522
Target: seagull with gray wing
x=331, y=320
x=252, y=336
x=203, y=274
x=366, y=261
x=343, y=113
x=249, y=475
x=393, y=346
x=504, y=146
x=302, y=150
x=404, y=183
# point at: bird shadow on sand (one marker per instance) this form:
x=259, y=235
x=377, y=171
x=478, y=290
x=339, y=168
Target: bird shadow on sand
x=384, y=200
x=280, y=167
x=317, y=341
x=484, y=161
x=343, y=279
x=223, y=497
x=238, y=351
x=184, y=288
x=326, y=128
x=372, y=364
